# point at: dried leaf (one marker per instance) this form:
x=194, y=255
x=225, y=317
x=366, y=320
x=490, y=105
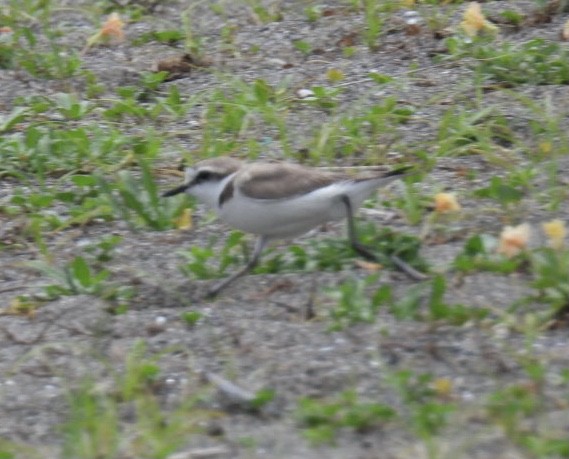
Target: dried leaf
x=348, y=40
x=368, y=265
x=181, y=65
x=21, y=307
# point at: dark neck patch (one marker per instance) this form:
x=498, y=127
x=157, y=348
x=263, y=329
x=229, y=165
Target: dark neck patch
x=226, y=194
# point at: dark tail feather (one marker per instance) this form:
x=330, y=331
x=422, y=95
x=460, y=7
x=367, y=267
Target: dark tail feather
x=403, y=170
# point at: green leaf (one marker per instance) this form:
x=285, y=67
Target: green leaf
x=13, y=118
x=84, y=180
x=438, y=286
x=150, y=186
x=81, y=272
x=263, y=91
x=262, y=397
x=380, y=78
x=474, y=246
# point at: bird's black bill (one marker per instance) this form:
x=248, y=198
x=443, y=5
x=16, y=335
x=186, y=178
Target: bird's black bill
x=175, y=191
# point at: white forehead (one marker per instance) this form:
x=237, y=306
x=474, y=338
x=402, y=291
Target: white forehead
x=190, y=174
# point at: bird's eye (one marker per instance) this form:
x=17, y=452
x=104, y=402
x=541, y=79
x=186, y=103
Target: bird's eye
x=203, y=176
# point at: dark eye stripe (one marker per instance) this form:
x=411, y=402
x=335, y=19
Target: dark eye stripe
x=203, y=176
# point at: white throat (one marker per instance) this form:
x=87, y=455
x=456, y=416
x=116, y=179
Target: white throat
x=208, y=192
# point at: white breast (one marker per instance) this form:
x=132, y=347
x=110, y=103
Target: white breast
x=286, y=218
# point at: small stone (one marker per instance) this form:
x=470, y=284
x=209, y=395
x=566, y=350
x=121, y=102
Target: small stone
x=305, y=94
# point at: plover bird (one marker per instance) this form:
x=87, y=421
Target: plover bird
x=279, y=200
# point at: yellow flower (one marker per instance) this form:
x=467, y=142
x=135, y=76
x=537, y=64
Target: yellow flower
x=446, y=202
x=555, y=231
x=113, y=28
x=443, y=387
x=110, y=32
x=514, y=239
x=474, y=22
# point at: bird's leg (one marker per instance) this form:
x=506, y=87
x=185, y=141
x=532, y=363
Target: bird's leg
x=356, y=245
x=259, y=246
x=366, y=253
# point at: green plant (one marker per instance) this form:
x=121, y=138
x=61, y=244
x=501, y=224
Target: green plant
x=130, y=102
x=49, y=60
x=138, y=201
x=550, y=270
x=193, y=43
x=265, y=14
x=173, y=103
x=386, y=243
x=545, y=445
x=92, y=428
x=474, y=131
x=510, y=406
x=323, y=97
x=96, y=428
x=7, y=50
x=513, y=17
x=303, y=46
x=412, y=203
x=330, y=254
x=507, y=194
x=141, y=372
x=262, y=398
x=430, y=295
x=518, y=408
x=313, y=13
x=373, y=22
x=536, y=61
x=75, y=278
x=79, y=278
x=323, y=419
x=14, y=450
x=479, y=254
x=233, y=112
x=151, y=81
x=167, y=36
x=102, y=251
x=52, y=151
x=354, y=304
x=8, y=122
x=356, y=133
x=70, y=107
x=191, y=318
x=454, y=314
x=200, y=259
x=426, y=415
